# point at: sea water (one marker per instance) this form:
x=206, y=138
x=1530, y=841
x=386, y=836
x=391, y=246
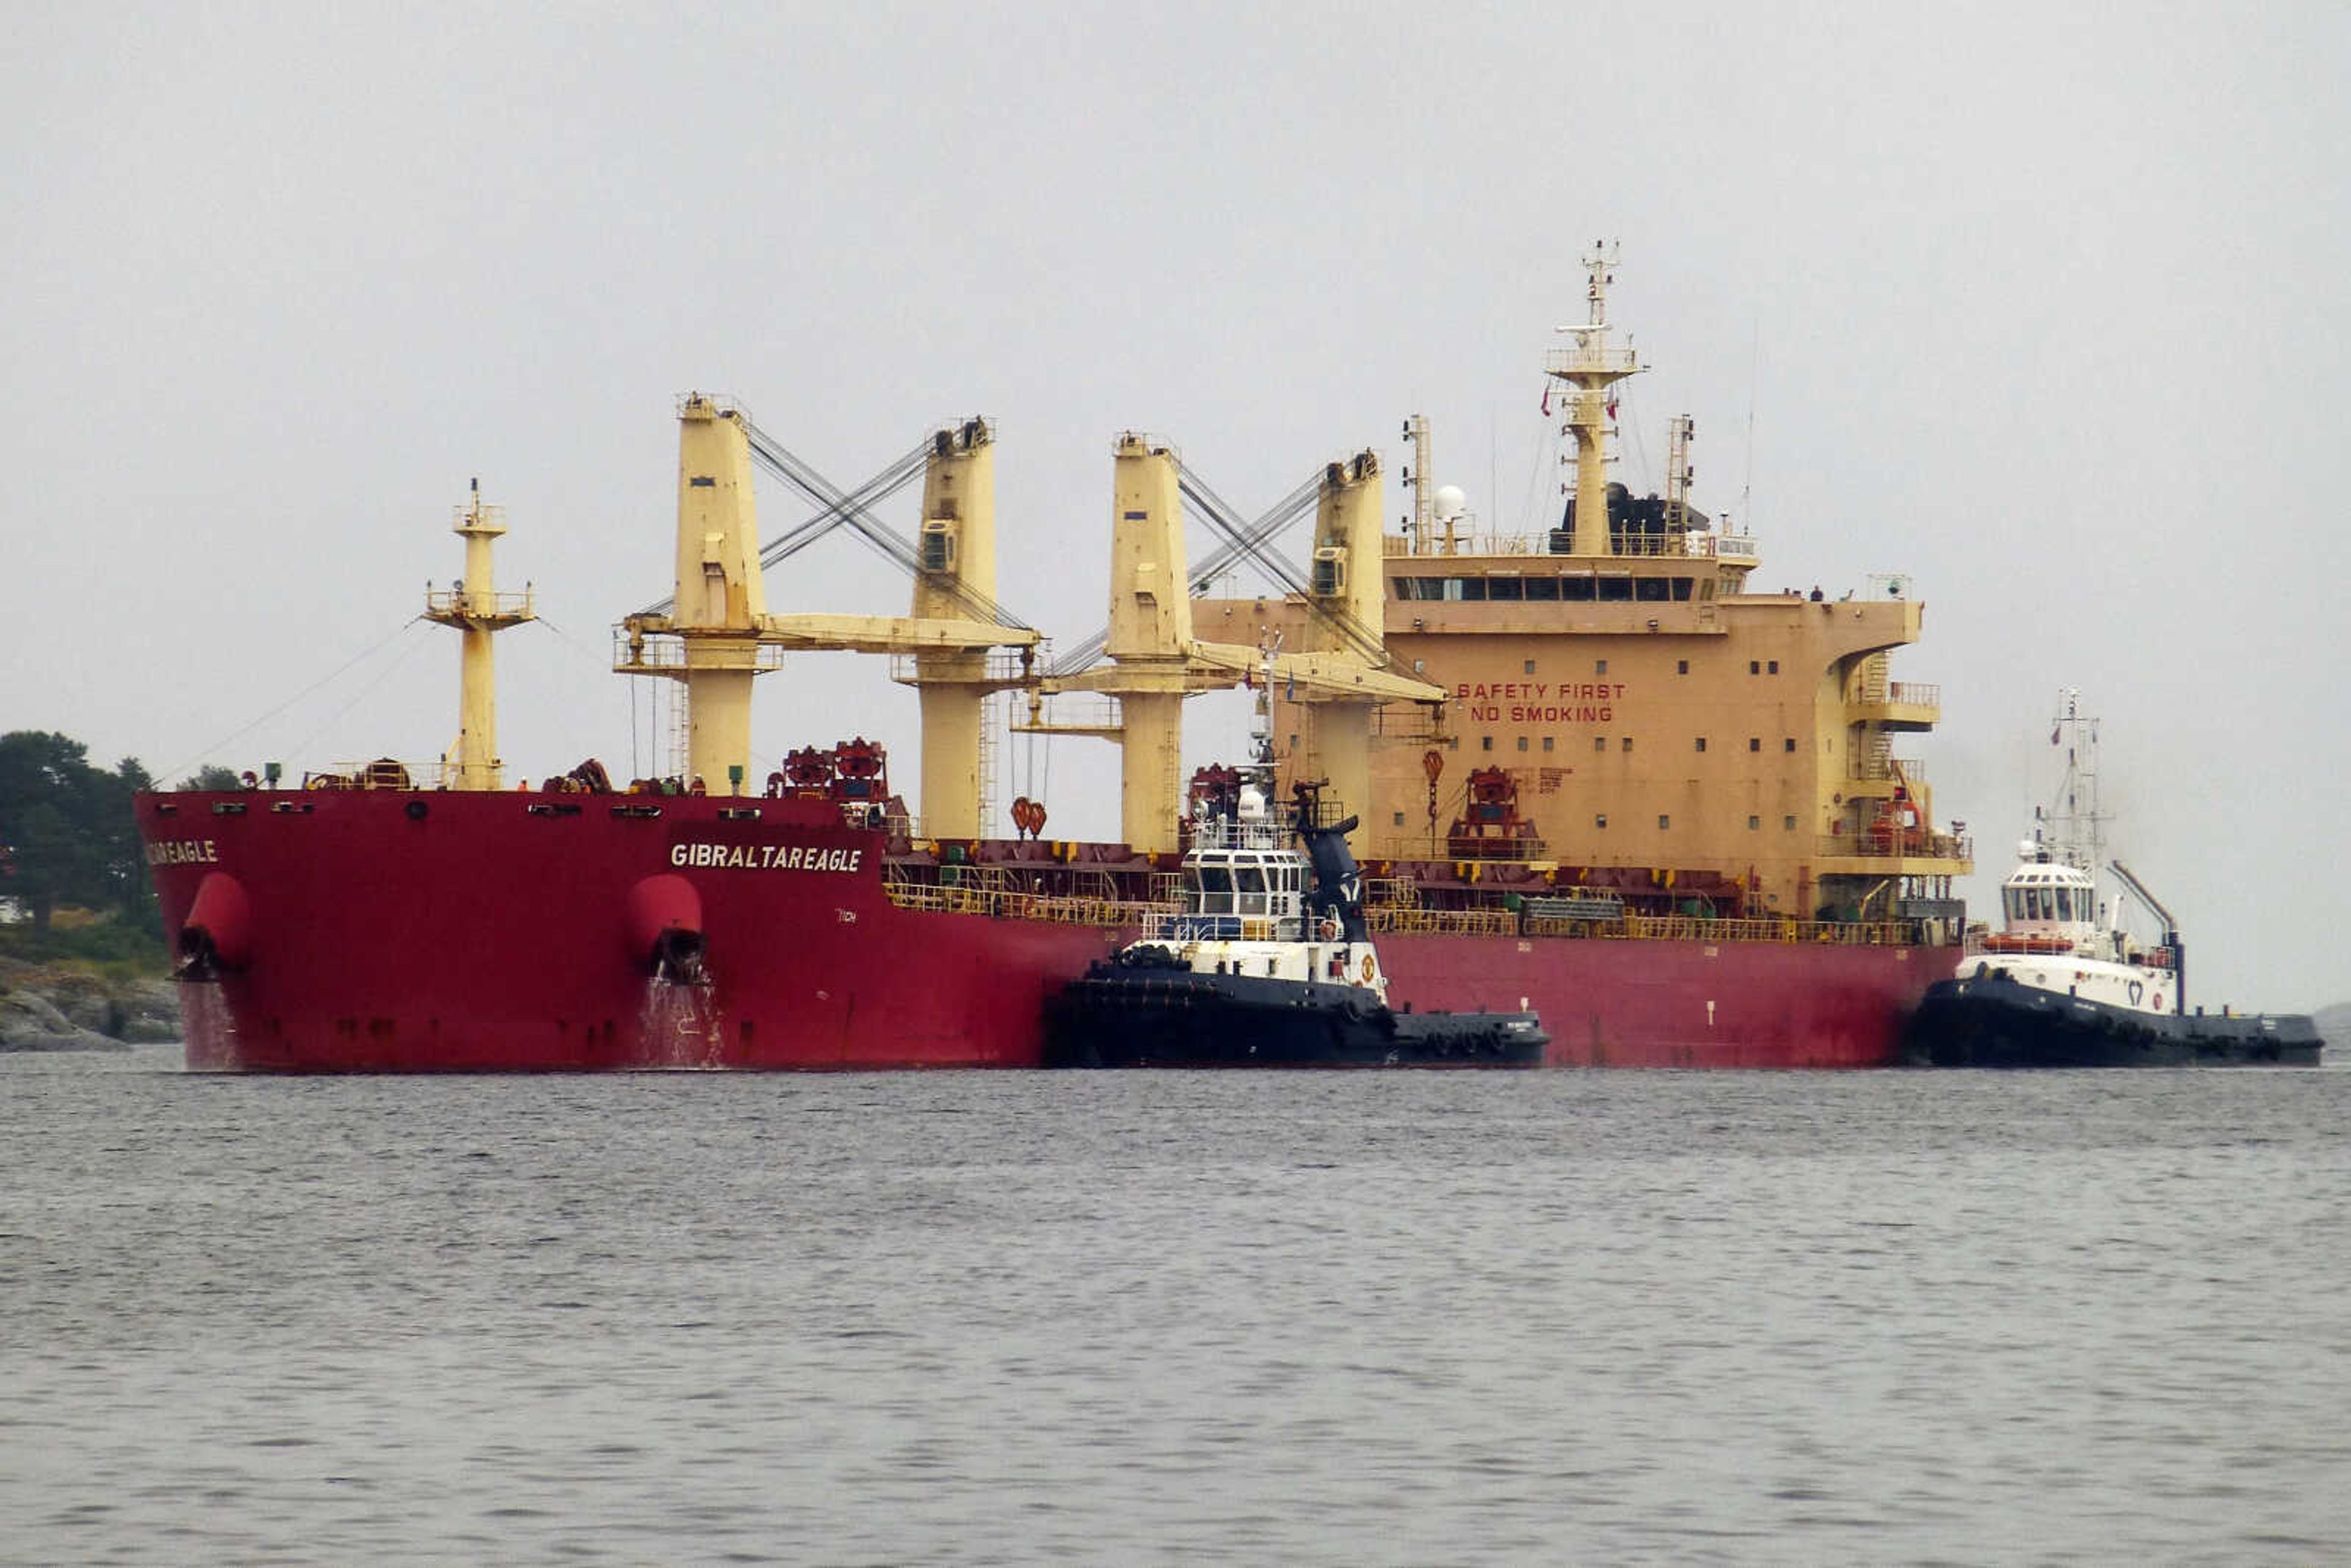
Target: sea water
x=1019, y=1318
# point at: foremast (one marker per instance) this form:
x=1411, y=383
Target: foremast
x=475, y=608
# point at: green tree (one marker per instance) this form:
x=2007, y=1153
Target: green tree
x=212, y=776
x=67, y=832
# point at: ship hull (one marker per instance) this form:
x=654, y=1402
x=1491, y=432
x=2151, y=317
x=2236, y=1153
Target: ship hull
x=1123, y=1017
x=2001, y=1023
x=364, y=931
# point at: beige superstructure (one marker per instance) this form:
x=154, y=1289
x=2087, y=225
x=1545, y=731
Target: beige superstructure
x=1652, y=714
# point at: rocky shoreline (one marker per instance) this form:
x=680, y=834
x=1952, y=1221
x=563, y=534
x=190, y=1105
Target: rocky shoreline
x=66, y=1007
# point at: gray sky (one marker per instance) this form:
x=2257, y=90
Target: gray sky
x=2045, y=305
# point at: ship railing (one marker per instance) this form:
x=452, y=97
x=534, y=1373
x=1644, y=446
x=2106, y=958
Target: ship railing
x=1006, y=904
x=1001, y=667
x=1385, y=919
x=1876, y=767
x=1694, y=544
x=1590, y=357
x=1180, y=925
x=663, y=651
x=383, y=773
x=462, y=601
x=1881, y=586
x=1917, y=694
x=1899, y=844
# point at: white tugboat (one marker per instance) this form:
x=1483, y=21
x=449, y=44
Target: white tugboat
x=2062, y=984
x=1269, y=962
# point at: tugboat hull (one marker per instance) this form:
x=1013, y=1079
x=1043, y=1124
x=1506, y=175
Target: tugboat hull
x=1173, y=1018
x=1995, y=1021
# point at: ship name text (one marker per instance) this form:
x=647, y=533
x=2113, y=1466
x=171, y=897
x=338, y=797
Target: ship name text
x=1541, y=702
x=182, y=851
x=765, y=857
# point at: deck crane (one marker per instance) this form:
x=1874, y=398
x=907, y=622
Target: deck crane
x=715, y=634
x=1156, y=661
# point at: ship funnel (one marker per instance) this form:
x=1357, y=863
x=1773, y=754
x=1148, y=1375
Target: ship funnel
x=664, y=928
x=218, y=933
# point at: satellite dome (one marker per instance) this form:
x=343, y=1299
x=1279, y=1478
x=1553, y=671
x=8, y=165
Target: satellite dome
x=1252, y=804
x=1451, y=502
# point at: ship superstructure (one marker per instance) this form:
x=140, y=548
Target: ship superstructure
x=1626, y=713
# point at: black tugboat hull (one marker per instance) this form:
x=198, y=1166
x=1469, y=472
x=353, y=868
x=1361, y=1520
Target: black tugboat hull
x=1998, y=1022
x=1173, y=1018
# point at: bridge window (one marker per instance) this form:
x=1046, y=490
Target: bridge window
x=1543, y=588
x=1664, y=822
x=1753, y=824
x=1681, y=666
x=1652, y=589
x=1601, y=821
x=1754, y=743
x=1578, y=589
x=1503, y=588
x=1522, y=742
x=1616, y=589
x=1681, y=589
x=1701, y=743
x=1787, y=824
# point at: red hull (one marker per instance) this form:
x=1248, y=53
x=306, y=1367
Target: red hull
x=365, y=931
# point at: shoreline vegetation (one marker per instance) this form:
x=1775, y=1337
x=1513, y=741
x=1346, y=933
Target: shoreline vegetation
x=83, y=963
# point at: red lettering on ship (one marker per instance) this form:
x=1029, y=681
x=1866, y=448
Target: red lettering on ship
x=1518, y=691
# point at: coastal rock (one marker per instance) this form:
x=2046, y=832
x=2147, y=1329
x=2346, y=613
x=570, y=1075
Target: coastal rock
x=32, y=1022
x=150, y=1012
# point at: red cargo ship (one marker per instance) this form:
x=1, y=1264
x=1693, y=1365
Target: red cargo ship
x=1787, y=909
